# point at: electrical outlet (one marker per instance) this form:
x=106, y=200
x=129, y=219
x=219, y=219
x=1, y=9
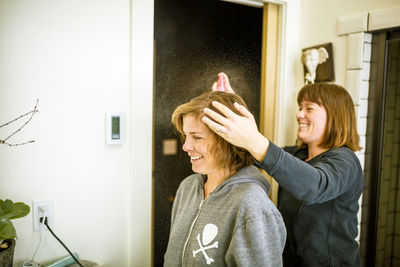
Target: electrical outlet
x=41, y=208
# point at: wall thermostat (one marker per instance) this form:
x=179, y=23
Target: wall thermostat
x=114, y=128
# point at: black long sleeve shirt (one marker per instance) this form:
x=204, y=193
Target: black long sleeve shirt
x=318, y=200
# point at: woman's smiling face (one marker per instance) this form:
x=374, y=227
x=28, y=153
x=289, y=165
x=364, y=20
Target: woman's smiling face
x=311, y=118
x=198, y=142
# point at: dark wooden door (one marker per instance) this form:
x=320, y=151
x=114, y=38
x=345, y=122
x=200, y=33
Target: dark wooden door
x=194, y=41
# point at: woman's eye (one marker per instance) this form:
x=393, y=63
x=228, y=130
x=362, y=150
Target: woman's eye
x=310, y=108
x=196, y=137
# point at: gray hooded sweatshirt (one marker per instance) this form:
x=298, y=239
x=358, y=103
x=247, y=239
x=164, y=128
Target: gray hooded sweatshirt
x=236, y=225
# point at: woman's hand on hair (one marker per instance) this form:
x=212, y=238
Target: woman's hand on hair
x=228, y=87
x=239, y=130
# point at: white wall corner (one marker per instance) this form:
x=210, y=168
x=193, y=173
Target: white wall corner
x=365, y=71
x=368, y=37
x=352, y=24
x=361, y=157
x=364, y=89
x=367, y=52
x=363, y=108
x=363, y=142
x=353, y=82
x=384, y=18
x=355, y=47
x=361, y=125
x=362, y=150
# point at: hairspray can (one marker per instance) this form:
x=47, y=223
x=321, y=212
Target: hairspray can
x=221, y=83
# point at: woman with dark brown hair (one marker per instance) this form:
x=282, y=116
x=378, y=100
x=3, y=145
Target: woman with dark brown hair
x=221, y=215
x=320, y=180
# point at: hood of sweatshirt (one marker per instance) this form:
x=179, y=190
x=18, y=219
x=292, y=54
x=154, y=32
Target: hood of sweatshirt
x=249, y=174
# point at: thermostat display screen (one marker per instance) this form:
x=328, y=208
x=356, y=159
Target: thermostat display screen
x=115, y=129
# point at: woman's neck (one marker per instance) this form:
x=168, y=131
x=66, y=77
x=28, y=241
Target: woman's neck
x=214, y=180
x=314, y=151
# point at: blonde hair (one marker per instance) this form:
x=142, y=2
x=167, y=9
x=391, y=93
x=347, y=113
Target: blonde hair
x=226, y=155
x=341, y=124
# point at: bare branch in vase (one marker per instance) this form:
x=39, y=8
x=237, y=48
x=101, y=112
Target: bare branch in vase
x=32, y=113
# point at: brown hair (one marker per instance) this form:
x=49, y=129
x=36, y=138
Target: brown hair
x=341, y=125
x=226, y=154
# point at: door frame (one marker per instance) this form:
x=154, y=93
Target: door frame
x=272, y=72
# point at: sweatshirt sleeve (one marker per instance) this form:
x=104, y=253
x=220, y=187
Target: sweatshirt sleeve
x=258, y=242
x=324, y=180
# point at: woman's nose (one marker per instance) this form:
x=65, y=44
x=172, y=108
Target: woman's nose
x=300, y=114
x=187, y=146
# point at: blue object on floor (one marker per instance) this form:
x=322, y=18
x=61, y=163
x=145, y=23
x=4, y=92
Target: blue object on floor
x=64, y=262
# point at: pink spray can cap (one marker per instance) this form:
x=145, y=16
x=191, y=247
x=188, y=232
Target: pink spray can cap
x=221, y=83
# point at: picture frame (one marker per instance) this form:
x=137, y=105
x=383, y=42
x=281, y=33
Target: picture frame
x=325, y=70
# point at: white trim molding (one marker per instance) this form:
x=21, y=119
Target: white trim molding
x=373, y=20
x=384, y=18
x=352, y=24
x=355, y=44
x=253, y=3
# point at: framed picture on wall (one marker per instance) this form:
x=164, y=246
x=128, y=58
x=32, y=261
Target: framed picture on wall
x=318, y=63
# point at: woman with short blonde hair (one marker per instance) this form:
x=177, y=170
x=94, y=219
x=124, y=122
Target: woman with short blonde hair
x=227, y=155
x=221, y=215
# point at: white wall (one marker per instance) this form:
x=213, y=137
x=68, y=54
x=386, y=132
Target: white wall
x=74, y=56
x=318, y=25
x=141, y=126
x=290, y=77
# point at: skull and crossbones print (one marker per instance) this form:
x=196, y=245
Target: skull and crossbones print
x=210, y=231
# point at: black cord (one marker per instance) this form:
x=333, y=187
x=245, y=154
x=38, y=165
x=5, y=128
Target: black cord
x=72, y=255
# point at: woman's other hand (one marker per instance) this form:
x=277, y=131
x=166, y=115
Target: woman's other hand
x=239, y=130
x=228, y=87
